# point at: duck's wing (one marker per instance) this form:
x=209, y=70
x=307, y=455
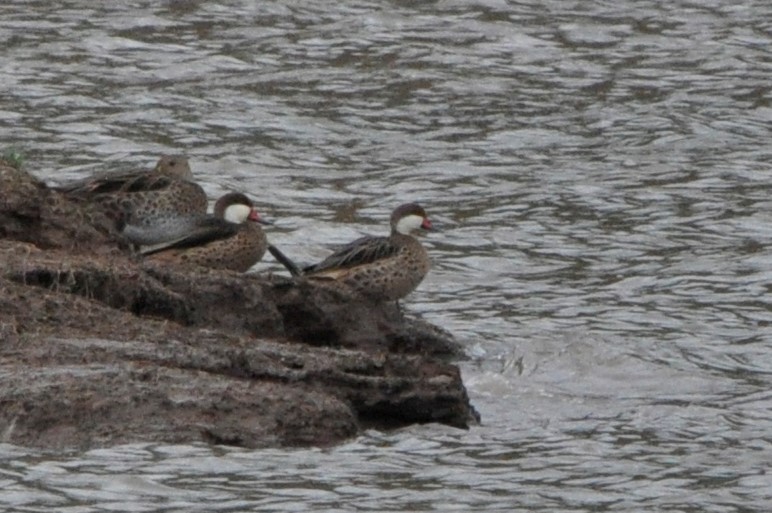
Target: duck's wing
x=117, y=183
x=207, y=230
x=147, y=182
x=362, y=251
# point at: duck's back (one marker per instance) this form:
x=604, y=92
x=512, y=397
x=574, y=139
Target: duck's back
x=222, y=245
x=365, y=250
x=381, y=268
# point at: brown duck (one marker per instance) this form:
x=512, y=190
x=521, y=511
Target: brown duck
x=229, y=239
x=379, y=268
x=146, y=205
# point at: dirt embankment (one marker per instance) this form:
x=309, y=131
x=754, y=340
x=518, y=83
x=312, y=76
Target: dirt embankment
x=98, y=348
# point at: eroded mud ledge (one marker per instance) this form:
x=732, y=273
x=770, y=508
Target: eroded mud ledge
x=97, y=348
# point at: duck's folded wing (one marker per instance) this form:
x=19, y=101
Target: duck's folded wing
x=116, y=182
x=205, y=231
x=362, y=251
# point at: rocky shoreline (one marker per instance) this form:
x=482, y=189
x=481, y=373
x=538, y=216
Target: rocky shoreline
x=99, y=348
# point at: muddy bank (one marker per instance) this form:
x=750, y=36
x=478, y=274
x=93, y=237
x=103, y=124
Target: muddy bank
x=98, y=348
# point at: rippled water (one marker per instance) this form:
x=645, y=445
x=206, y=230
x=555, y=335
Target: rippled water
x=600, y=172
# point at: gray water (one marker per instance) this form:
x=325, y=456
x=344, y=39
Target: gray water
x=599, y=171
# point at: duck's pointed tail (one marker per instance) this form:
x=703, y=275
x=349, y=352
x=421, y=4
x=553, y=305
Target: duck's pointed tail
x=285, y=261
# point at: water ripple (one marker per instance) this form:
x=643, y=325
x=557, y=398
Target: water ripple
x=598, y=174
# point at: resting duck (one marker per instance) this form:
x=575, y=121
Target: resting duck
x=145, y=204
x=229, y=239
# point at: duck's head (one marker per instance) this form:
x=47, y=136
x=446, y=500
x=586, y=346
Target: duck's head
x=174, y=165
x=237, y=208
x=409, y=217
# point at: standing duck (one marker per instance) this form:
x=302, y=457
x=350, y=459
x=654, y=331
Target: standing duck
x=380, y=268
x=145, y=204
x=229, y=239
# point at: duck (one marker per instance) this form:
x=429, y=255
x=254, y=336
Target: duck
x=145, y=205
x=375, y=267
x=230, y=239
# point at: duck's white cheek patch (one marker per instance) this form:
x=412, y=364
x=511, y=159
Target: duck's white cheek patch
x=237, y=213
x=409, y=223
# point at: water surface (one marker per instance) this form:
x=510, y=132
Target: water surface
x=600, y=172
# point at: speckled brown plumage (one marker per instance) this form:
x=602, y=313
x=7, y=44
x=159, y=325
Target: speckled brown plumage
x=379, y=268
x=390, y=277
x=145, y=201
x=168, y=166
x=217, y=243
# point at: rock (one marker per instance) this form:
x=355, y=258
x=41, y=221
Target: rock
x=31, y=212
x=99, y=348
